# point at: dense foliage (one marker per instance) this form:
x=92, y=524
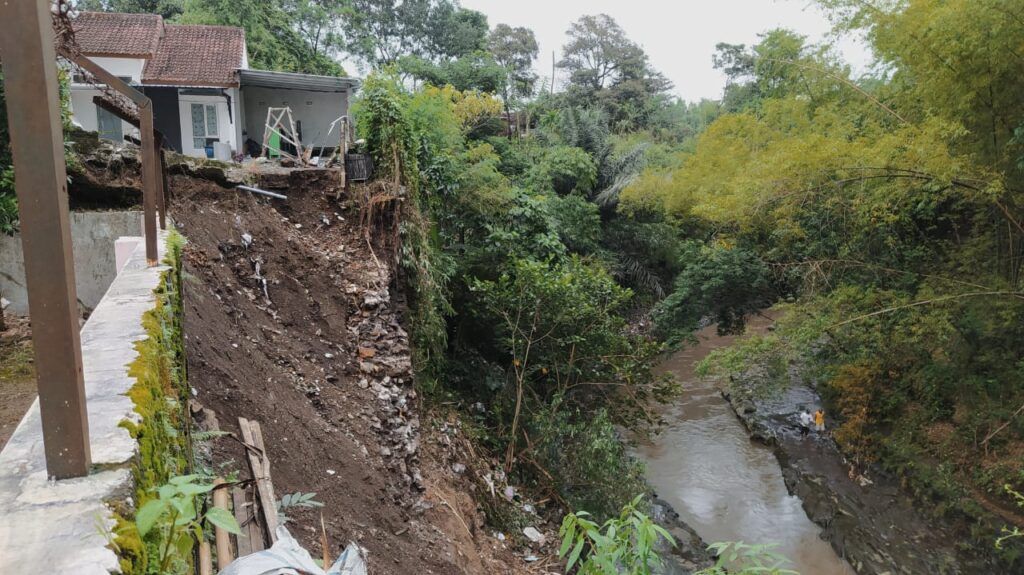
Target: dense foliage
x=889, y=211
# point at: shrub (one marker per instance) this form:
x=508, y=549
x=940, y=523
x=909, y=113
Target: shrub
x=564, y=170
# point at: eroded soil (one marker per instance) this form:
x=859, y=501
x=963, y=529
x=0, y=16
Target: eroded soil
x=292, y=321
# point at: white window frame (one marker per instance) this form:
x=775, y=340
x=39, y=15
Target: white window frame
x=208, y=110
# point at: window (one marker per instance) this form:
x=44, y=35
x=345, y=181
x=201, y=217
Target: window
x=204, y=124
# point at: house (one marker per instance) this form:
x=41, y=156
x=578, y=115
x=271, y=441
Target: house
x=199, y=80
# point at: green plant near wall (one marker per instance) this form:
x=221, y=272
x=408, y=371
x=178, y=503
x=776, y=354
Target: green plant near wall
x=176, y=515
x=160, y=394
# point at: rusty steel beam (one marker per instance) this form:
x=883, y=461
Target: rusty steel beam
x=150, y=179
x=158, y=138
x=147, y=150
x=37, y=143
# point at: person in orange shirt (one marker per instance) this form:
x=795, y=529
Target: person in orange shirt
x=819, y=420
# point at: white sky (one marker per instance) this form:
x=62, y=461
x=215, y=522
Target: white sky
x=679, y=36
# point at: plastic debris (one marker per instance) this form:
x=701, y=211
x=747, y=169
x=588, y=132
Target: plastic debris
x=533, y=535
x=287, y=557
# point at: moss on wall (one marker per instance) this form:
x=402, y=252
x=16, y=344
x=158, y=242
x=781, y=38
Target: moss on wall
x=160, y=395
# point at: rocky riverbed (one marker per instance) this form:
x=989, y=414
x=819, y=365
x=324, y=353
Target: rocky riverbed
x=862, y=511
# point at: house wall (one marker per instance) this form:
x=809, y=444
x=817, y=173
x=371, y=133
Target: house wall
x=316, y=111
x=166, y=114
x=122, y=66
x=83, y=111
x=225, y=126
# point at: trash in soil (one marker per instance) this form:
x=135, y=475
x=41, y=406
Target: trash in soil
x=287, y=557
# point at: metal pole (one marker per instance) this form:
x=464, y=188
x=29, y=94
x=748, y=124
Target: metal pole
x=33, y=104
x=150, y=179
x=161, y=181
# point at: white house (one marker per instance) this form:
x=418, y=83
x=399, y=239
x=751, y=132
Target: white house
x=199, y=80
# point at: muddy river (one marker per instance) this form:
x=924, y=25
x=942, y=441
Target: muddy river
x=722, y=484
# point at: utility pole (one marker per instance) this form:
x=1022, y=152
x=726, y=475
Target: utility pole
x=552, y=72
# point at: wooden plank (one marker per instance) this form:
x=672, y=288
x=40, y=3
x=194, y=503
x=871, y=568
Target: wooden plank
x=221, y=536
x=259, y=462
x=251, y=540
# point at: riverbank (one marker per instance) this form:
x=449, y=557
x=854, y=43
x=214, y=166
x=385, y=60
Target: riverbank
x=723, y=485
x=863, y=513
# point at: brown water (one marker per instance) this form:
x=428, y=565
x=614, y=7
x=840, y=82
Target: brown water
x=725, y=486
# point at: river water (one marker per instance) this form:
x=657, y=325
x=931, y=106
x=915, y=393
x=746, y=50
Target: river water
x=722, y=484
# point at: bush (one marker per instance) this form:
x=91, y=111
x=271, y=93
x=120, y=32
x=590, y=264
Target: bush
x=564, y=170
x=725, y=284
x=577, y=222
x=586, y=459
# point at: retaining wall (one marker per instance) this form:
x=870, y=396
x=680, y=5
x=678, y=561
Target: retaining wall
x=92, y=237
x=66, y=527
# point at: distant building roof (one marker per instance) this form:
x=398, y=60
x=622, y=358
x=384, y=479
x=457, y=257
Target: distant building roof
x=191, y=55
x=125, y=35
x=176, y=55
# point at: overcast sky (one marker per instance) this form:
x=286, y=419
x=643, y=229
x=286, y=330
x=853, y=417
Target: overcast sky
x=679, y=36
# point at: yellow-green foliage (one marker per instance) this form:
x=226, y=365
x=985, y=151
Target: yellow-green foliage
x=159, y=395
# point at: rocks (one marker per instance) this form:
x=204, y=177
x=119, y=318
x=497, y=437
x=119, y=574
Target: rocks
x=533, y=535
x=874, y=526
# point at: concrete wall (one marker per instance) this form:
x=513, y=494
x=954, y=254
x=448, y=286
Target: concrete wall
x=93, y=235
x=61, y=527
x=316, y=111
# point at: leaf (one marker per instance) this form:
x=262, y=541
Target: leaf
x=148, y=515
x=575, y=555
x=195, y=489
x=223, y=519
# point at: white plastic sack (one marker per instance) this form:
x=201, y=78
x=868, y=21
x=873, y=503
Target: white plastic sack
x=287, y=557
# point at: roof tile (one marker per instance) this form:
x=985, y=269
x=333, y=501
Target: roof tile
x=109, y=34
x=193, y=55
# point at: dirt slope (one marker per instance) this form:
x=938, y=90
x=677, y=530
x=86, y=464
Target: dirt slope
x=321, y=360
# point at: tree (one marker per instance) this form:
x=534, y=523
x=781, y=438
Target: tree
x=597, y=52
x=611, y=70
x=381, y=32
x=166, y=8
x=514, y=49
x=318, y=23
x=454, y=32
x=288, y=35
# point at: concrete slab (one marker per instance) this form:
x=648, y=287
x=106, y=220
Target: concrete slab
x=61, y=527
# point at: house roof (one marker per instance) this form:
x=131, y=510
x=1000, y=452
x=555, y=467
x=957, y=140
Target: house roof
x=293, y=81
x=108, y=34
x=176, y=55
x=192, y=55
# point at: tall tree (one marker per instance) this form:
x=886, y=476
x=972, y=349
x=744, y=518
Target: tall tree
x=381, y=32
x=608, y=69
x=165, y=8
x=598, y=51
x=288, y=35
x=514, y=49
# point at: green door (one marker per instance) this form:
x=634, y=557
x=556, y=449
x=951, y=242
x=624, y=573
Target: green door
x=109, y=126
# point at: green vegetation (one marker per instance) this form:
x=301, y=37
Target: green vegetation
x=738, y=558
x=887, y=211
x=160, y=395
x=884, y=210
x=176, y=516
x=624, y=544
